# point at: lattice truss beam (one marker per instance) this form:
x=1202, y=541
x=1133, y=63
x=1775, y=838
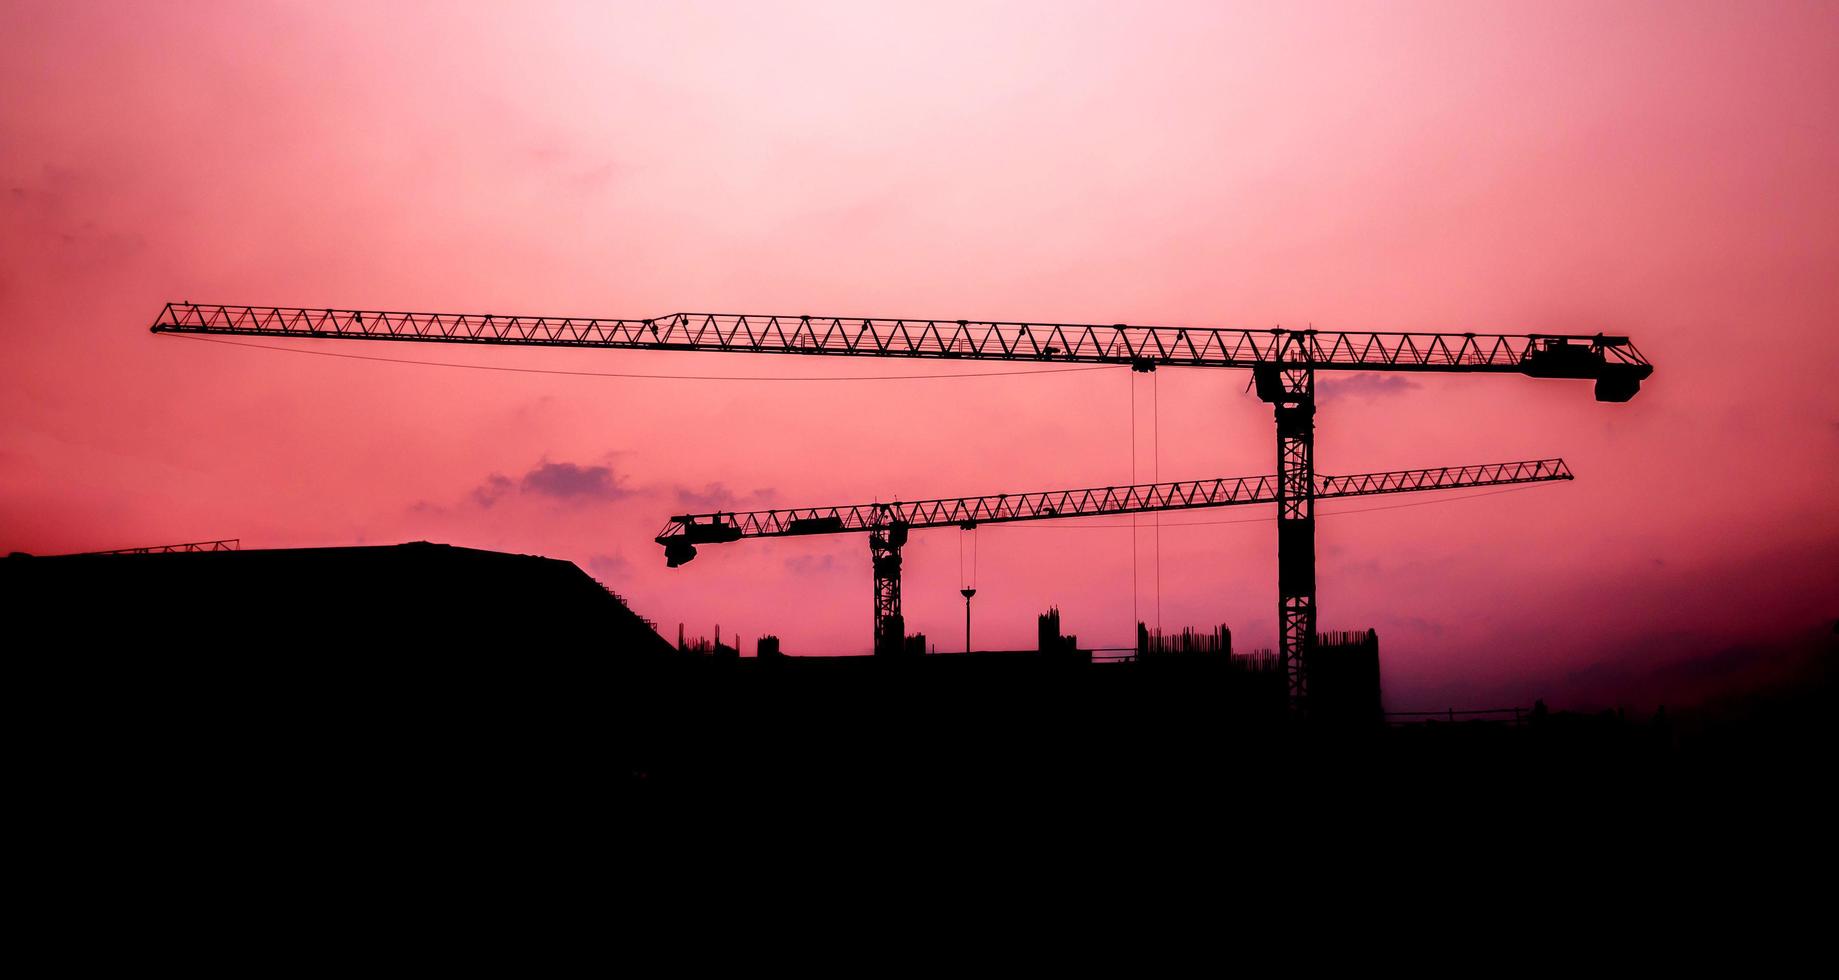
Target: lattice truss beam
x=1088, y=502
x=226, y=544
x=1541, y=355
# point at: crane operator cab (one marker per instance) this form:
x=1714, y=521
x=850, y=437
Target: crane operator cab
x=1617, y=378
x=680, y=546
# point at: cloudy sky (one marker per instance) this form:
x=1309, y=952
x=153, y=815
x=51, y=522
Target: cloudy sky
x=1660, y=170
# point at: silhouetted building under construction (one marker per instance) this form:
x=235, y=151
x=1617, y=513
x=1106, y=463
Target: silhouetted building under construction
x=398, y=658
x=394, y=599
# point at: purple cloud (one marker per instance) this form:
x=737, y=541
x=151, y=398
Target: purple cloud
x=569, y=481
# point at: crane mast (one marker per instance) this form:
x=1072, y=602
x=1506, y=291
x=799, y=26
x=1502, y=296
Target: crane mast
x=1283, y=364
x=888, y=524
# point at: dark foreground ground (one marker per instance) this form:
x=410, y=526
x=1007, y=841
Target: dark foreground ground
x=556, y=776
x=197, y=738
x=166, y=728
x=366, y=677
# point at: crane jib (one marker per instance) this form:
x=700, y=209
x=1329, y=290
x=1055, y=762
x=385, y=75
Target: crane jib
x=1610, y=359
x=682, y=533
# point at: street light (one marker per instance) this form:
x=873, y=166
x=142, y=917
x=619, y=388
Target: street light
x=967, y=593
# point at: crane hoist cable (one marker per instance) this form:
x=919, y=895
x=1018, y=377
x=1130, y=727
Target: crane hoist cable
x=967, y=581
x=1136, y=618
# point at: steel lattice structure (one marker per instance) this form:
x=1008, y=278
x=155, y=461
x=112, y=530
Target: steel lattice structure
x=1085, y=343
x=1143, y=498
x=226, y=544
x=1283, y=364
x=887, y=525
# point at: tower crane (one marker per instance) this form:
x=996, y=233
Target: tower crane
x=1283, y=365
x=887, y=525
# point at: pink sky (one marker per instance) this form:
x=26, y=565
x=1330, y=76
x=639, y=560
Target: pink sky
x=1661, y=170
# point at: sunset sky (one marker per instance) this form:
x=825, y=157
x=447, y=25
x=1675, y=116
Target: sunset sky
x=1669, y=171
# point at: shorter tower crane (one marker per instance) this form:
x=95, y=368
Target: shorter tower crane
x=887, y=525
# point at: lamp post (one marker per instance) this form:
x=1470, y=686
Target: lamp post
x=967, y=593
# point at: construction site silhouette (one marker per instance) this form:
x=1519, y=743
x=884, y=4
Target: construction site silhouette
x=412, y=672
x=424, y=662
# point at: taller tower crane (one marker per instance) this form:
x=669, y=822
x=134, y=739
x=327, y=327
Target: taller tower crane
x=1283, y=365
